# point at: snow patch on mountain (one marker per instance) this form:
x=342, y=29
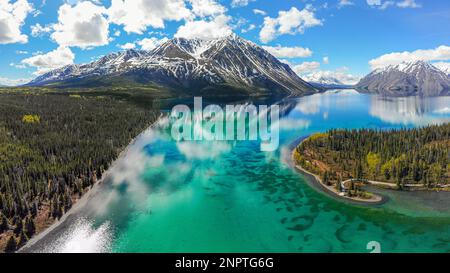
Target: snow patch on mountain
x=444, y=67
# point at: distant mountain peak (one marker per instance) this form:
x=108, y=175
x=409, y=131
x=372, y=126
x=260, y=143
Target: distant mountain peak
x=320, y=78
x=331, y=79
x=407, y=78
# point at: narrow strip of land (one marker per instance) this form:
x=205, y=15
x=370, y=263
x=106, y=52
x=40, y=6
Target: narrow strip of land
x=376, y=199
x=346, y=161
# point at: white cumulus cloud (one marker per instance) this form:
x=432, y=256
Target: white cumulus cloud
x=151, y=43
x=291, y=22
x=39, y=30
x=204, y=8
x=305, y=67
x=83, y=25
x=441, y=53
x=205, y=29
x=289, y=52
x=127, y=46
x=46, y=62
x=12, y=18
x=137, y=15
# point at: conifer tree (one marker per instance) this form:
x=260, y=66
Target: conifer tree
x=11, y=245
x=3, y=223
x=22, y=240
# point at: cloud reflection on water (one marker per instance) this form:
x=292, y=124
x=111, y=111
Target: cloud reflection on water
x=82, y=237
x=415, y=111
x=203, y=150
x=155, y=165
x=316, y=103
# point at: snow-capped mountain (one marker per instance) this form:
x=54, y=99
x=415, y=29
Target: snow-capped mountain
x=444, y=67
x=321, y=79
x=192, y=65
x=109, y=64
x=327, y=80
x=408, y=78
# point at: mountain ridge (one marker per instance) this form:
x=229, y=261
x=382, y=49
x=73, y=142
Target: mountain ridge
x=406, y=79
x=193, y=66
x=324, y=80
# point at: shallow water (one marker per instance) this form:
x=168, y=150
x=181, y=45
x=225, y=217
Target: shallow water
x=231, y=197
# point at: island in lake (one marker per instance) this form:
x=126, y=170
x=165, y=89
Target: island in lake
x=344, y=161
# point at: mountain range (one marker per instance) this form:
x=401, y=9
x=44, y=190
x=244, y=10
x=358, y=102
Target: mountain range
x=324, y=80
x=233, y=66
x=407, y=79
x=188, y=66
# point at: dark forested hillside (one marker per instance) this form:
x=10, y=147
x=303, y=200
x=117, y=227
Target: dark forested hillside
x=402, y=157
x=53, y=147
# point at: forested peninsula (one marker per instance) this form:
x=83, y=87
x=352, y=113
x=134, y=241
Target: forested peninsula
x=406, y=159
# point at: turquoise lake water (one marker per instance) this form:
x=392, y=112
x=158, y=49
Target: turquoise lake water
x=165, y=196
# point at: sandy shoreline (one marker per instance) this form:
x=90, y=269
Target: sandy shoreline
x=87, y=196
x=315, y=181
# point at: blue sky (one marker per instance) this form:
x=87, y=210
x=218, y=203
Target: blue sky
x=343, y=38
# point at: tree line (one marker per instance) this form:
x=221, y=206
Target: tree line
x=418, y=156
x=53, y=147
